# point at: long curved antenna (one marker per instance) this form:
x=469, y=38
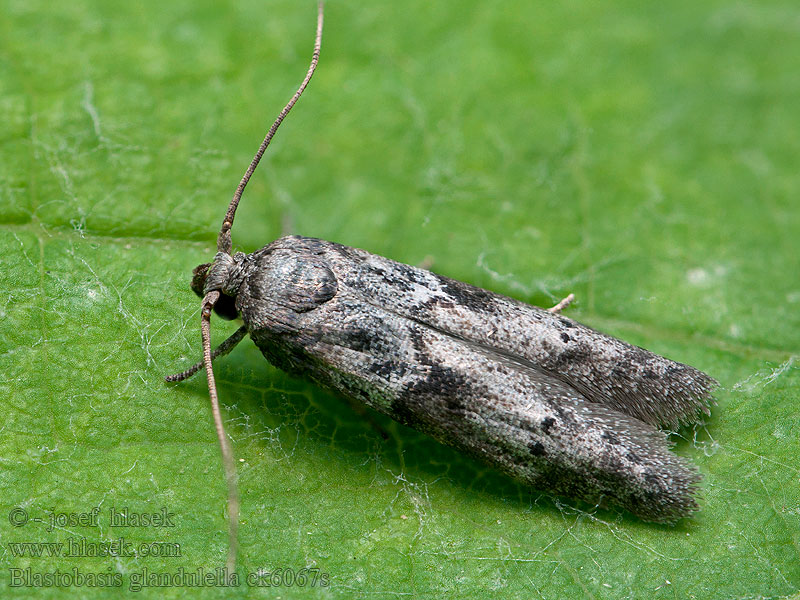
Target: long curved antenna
x=210, y=299
x=227, y=454
x=224, y=240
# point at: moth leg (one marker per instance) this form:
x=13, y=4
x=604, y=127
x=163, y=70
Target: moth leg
x=221, y=350
x=427, y=262
x=364, y=413
x=287, y=224
x=562, y=305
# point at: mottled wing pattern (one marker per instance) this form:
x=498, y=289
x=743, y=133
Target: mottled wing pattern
x=604, y=369
x=484, y=373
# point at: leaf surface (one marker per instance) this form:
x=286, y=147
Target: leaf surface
x=642, y=157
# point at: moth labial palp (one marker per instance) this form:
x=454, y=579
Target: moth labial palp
x=545, y=399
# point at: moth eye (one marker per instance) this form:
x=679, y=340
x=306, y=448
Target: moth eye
x=225, y=307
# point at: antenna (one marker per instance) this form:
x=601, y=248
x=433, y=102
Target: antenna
x=224, y=240
x=224, y=245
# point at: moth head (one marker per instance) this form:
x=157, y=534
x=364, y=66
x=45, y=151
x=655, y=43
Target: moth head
x=225, y=307
x=217, y=283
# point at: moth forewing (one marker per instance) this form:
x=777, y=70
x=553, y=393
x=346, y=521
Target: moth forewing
x=446, y=358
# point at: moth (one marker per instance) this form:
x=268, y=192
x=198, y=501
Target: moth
x=549, y=401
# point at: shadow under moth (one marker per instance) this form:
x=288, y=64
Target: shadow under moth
x=553, y=403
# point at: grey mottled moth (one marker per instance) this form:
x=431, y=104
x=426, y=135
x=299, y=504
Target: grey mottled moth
x=551, y=402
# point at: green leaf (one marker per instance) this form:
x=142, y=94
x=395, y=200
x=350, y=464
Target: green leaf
x=643, y=157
